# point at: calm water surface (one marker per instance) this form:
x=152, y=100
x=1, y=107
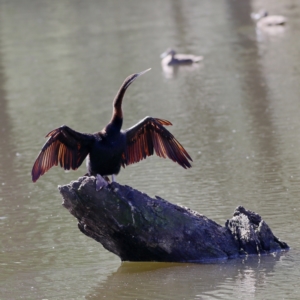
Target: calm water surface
x=237, y=114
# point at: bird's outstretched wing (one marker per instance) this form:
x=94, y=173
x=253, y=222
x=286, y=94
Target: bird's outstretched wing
x=149, y=135
x=64, y=146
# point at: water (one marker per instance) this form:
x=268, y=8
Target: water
x=237, y=114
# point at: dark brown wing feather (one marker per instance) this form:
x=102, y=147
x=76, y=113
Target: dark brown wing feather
x=149, y=135
x=65, y=146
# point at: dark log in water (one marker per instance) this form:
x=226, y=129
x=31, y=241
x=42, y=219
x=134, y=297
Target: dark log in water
x=138, y=228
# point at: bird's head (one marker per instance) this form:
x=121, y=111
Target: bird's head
x=131, y=78
x=169, y=51
x=259, y=15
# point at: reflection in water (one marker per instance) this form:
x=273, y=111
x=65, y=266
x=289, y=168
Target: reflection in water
x=182, y=31
x=172, y=71
x=7, y=149
x=237, y=114
x=257, y=100
x=167, y=280
x=15, y=219
x=268, y=149
x=267, y=32
x=179, y=23
x=13, y=195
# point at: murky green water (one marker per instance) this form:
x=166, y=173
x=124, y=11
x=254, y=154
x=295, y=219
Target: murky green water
x=237, y=114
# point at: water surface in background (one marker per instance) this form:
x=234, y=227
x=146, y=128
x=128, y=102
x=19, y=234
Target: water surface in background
x=237, y=114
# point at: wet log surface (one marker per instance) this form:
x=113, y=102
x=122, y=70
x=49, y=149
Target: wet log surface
x=139, y=228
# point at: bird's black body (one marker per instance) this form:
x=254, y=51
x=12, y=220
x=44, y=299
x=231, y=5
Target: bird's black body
x=110, y=148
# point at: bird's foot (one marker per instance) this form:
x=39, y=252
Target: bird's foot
x=113, y=178
x=100, y=182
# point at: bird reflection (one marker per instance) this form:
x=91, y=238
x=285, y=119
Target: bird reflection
x=110, y=148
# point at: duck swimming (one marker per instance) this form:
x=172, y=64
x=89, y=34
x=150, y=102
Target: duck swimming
x=265, y=20
x=171, y=58
x=110, y=148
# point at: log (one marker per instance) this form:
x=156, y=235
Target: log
x=139, y=228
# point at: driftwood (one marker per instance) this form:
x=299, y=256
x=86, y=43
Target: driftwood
x=138, y=228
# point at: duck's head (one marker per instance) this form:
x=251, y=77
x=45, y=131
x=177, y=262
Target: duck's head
x=261, y=14
x=169, y=51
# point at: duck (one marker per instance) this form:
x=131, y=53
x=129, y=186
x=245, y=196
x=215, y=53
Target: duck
x=265, y=20
x=111, y=148
x=171, y=58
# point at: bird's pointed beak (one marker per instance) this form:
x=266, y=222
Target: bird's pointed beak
x=130, y=79
x=143, y=72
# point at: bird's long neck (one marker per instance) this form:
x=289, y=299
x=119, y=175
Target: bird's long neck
x=117, y=115
x=116, y=121
x=117, y=104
